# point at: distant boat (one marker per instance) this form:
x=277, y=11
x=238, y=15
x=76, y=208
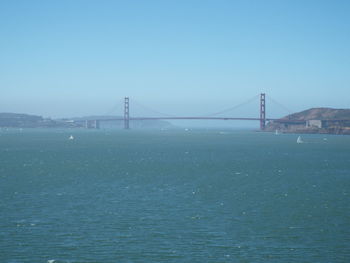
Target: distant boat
x=71, y=137
x=299, y=140
x=277, y=132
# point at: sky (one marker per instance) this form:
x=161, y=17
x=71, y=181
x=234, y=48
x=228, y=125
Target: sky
x=193, y=57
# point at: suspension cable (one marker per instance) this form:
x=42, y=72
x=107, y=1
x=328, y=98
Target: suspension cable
x=234, y=107
x=151, y=109
x=279, y=104
x=113, y=109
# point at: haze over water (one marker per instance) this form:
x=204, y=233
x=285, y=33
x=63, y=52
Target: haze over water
x=173, y=196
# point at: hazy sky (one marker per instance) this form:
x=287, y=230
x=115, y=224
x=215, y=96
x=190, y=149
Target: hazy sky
x=69, y=58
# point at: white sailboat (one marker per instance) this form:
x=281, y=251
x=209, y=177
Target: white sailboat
x=71, y=137
x=299, y=140
x=277, y=132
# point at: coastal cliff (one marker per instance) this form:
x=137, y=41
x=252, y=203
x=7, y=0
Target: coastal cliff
x=314, y=120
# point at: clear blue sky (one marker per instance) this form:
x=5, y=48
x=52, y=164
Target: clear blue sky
x=78, y=57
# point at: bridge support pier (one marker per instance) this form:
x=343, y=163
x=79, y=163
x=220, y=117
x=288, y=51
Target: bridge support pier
x=97, y=124
x=126, y=113
x=262, y=111
x=92, y=124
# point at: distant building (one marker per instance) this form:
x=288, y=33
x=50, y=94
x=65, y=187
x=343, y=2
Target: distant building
x=315, y=124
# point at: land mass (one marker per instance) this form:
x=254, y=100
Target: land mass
x=20, y=120
x=314, y=120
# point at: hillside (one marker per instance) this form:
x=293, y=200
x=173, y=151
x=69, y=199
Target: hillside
x=321, y=114
x=20, y=120
x=314, y=120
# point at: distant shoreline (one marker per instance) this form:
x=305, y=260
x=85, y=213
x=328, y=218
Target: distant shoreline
x=314, y=121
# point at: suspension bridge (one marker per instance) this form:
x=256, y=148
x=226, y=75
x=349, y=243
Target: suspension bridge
x=127, y=118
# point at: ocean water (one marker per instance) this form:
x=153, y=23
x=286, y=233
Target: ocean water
x=173, y=196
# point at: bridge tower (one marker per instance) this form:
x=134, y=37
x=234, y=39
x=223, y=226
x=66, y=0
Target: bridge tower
x=126, y=113
x=262, y=111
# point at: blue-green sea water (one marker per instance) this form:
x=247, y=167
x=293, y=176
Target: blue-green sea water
x=173, y=196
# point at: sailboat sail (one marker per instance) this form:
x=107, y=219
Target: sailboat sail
x=299, y=140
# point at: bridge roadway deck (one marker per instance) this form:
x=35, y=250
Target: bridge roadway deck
x=195, y=118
